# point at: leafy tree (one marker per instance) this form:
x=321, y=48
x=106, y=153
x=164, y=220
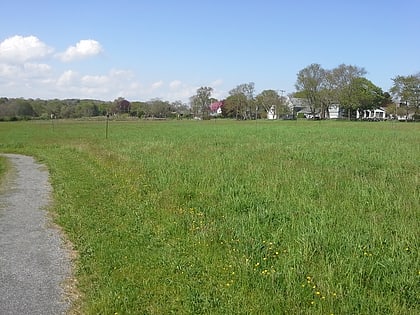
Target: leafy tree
x=342, y=81
x=23, y=108
x=268, y=99
x=366, y=95
x=234, y=105
x=310, y=82
x=159, y=108
x=201, y=101
x=406, y=91
x=181, y=109
x=55, y=107
x=139, y=109
x=241, y=99
x=121, y=106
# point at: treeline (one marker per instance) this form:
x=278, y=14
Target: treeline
x=24, y=109
x=345, y=86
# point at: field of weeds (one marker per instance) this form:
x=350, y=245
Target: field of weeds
x=227, y=217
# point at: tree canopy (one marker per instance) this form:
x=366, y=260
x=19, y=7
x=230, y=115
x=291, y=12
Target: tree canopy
x=344, y=85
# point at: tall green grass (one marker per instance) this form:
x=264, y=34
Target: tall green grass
x=226, y=217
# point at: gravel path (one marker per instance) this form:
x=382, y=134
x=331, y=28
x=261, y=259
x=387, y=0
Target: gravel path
x=33, y=261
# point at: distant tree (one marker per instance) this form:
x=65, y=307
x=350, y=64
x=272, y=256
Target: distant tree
x=139, y=109
x=39, y=107
x=406, y=92
x=23, y=109
x=342, y=78
x=86, y=108
x=159, y=108
x=181, y=109
x=310, y=81
x=121, y=106
x=365, y=95
x=57, y=108
x=200, y=102
x=241, y=99
x=269, y=99
x=234, y=106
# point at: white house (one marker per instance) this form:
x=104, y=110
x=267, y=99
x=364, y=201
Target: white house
x=371, y=114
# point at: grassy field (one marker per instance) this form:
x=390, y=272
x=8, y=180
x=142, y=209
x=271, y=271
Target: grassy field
x=225, y=217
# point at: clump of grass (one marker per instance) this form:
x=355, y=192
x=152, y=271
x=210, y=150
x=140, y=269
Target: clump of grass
x=236, y=217
x=3, y=168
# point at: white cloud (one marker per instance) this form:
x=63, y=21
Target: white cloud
x=37, y=69
x=19, y=49
x=175, y=84
x=8, y=71
x=216, y=83
x=95, y=80
x=68, y=79
x=157, y=85
x=83, y=49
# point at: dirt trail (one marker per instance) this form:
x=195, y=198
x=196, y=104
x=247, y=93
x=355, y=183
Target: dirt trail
x=33, y=260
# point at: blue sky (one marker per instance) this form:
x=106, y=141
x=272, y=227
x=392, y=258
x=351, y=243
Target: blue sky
x=167, y=49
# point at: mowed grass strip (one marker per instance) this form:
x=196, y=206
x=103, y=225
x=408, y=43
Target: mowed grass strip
x=225, y=217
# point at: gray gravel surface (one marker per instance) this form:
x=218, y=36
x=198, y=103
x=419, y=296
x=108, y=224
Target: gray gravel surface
x=33, y=260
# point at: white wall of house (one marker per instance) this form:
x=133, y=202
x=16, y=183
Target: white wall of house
x=334, y=111
x=271, y=114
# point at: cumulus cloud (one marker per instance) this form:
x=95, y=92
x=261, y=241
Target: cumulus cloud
x=19, y=49
x=68, y=78
x=83, y=49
